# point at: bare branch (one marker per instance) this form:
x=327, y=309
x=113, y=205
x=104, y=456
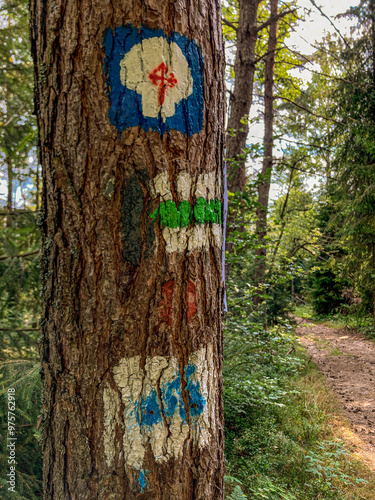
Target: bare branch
x=309, y=110
x=229, y=24
x=19, y=329
x=272, y=20
x=18, y=212
x=266, y=54
x=330, y=21
x=20, y=255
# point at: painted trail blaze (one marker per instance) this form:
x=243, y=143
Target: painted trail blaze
x=154, y=81
x=150, y=409
x=173, y=399
x=161, y=78
x=166, y=304
x=197, y=401
x=132, y=216
x=142, y=480
x=154, y=407
x=191, y=218
x=202, y=211
x=171, y=404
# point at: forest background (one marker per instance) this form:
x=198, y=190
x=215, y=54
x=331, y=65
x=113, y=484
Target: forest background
x=301, y=239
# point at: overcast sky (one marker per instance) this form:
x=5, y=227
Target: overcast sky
x=315, y=26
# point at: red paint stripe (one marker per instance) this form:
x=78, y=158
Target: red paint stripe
x=166, y=304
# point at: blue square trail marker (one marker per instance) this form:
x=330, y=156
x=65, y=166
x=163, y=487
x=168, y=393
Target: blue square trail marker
x=154, y=81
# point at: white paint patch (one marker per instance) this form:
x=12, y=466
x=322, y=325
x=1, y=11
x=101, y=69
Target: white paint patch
x=184, y=182
x=178, y=428
x=129, y=377
x=208, y=186
x=205, y=373
x=141, y=391
x=197, y=238
x=143, y=59
x=216, y=235
x=161, y=186
x=111, y=401
x=157, y=433
x=136, y=386
x=176, y=239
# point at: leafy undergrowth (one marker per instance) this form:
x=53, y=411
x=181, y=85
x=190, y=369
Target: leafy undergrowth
x=284, y=431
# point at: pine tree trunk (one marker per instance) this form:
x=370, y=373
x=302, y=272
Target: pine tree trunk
x=264, y=186
x=242, y=96
x=239, y=110
x=130, y=104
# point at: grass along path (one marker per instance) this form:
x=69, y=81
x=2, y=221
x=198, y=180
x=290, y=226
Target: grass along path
x=347, y=360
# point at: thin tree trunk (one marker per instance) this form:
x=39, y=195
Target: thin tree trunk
x=264, y=186
x=239, y=109
x=37, y=195
x=282, y=215
x=9, y=192
x=242, y=97
x=372, y=31
x=130, y=104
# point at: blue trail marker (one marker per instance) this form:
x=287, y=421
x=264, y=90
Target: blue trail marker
x=154, y=81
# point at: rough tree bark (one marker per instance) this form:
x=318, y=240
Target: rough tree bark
x=242, y=96
x=130, y=105
x=264, y=186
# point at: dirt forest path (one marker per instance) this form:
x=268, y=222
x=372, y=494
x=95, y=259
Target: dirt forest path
x=347, y=360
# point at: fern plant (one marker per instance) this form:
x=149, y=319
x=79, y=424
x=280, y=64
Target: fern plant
x=237, y=494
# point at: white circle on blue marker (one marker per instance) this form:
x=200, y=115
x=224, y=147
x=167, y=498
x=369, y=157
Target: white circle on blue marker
x=157, y=70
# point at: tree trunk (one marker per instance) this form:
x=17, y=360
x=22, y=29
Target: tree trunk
x=372, y=34
x=9, y=192
x=242, y=96
x=264, y=186
x=37, y=187
x=130, y=106
x=239, y=109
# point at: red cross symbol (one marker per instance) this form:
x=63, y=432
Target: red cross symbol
x=160, y=78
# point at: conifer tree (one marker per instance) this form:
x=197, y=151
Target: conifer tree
x=130, y=104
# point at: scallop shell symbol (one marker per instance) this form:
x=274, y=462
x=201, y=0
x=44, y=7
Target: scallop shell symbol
x=159, y=72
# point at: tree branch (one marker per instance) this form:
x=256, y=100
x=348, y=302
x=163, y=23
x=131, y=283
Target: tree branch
x=20, y=255
x=309, y=110
x=4, y=213
x=330, y=21
x=19, y=329
x=272, y=20
x=229, y=24
x=265, y=55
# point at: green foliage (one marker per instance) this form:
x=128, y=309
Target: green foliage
x=237, y=494
x=20, y=301
x=275, y=444
x=24, y=377
x=278, y=442
x=17, y=125
x=230, y=14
